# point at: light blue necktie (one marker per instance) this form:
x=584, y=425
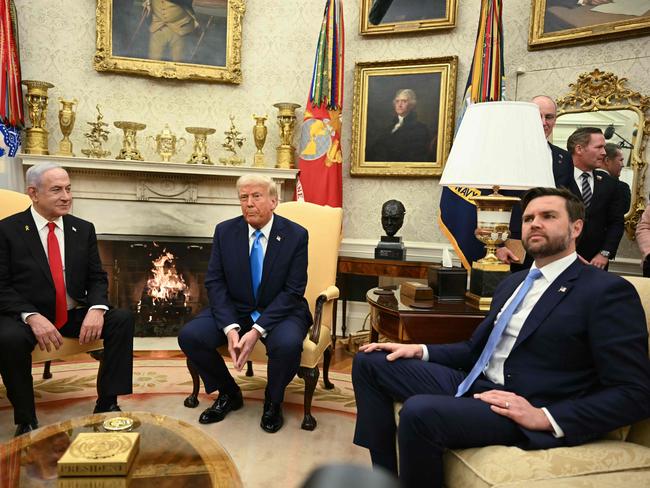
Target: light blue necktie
x=496, y=333
x=257, y=261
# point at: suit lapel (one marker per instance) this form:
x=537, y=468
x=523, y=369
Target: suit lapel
x=70, y=237
x=30, y=235
x=553, y=295
x=242, y=243
x=273, y=247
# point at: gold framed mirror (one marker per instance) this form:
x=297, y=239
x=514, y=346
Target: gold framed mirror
x=601, y=99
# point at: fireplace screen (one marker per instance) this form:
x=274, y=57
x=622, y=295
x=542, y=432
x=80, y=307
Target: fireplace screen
x=160, y=281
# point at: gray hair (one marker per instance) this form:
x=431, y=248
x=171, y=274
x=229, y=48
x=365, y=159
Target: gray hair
x=35, y=173
x=410, y=94
x=545, y=97
x=255, y=179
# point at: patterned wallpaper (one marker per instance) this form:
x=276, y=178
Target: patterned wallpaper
x=58, y=43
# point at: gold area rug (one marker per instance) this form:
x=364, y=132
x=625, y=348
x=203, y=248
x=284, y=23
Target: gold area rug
x=75, y=380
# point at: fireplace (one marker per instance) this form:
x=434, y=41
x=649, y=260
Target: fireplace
x=160, y=280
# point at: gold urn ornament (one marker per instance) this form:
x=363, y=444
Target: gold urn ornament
x=36, y=135
x=129, y=149
x=286, y=121
x=259, y=136
x=166, y=144
x=66, y=122
x=200, y=150
x=96, y=137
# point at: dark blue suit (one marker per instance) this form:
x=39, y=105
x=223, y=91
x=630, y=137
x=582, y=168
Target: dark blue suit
x=284, y=311
x=582, y=353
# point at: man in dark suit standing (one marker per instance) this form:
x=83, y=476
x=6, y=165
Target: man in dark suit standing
x=561, y=359
x=612, y=165
x=256, y=280
x=51, y=285
x=604, y=226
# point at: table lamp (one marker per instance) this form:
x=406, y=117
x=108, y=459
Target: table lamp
x=499, y=145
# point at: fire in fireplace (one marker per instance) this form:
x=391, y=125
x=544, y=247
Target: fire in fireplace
x=162, y=282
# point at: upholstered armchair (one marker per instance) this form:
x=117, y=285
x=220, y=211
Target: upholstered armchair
x=12, y=202
x=324, y=226
x=622, y=459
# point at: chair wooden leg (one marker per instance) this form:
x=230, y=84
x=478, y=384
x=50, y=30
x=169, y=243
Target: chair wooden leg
x=249, y=368
x=46, y=370
x=310, y=375
x=192, y=401
x=327, y=358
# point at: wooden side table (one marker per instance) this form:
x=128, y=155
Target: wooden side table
x=373, y=267
x=443, y=323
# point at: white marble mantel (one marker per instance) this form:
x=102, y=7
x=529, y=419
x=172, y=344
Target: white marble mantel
x=157, y=199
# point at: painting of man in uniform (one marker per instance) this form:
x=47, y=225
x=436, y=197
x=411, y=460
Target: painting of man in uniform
x=180, y=31
x=402, y=118
x=391, y=11
x=571, y=14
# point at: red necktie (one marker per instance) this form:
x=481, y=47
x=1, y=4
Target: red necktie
x=56, y=268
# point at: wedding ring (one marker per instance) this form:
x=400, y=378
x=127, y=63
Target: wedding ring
x=507, y=405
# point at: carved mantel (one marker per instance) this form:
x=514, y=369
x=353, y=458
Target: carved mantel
x=157, y=199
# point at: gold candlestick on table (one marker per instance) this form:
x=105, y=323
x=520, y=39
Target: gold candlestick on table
x=97, y=135
x=233, y=141
x=36, y=135
x=200, y=150
x=259, y=136
x=287, y=121
x=167, y=144
x=129, y=144
x=66, y=122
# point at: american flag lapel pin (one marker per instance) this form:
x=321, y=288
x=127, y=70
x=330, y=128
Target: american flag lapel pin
x=562, y=289
x=278, y=238
x=27, y=228
x=74, y=228
x=598, y=177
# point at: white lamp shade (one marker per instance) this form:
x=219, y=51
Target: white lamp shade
x=499, y=144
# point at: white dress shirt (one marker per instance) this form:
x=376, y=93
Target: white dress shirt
x=400, y=121
x=494, y=369
x=577, y=176
x=264, y=241
x=43, y=231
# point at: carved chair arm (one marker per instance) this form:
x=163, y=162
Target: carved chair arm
x=328, y=295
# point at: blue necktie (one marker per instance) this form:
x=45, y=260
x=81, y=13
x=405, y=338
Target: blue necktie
x=257, y=261
x=496, y=333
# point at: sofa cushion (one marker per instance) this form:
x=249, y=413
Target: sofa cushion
x=501, y=466
x=625, y=479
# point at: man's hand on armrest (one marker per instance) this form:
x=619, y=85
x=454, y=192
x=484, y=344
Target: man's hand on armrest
x=505, y=255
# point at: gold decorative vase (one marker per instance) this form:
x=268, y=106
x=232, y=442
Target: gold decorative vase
x=36, y=135
x=200, y=150
x=66, y=122
x=259, y=136
x=129, y=143
x=286, y=152
x=167, y=144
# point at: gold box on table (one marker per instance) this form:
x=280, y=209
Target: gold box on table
x=100, y=454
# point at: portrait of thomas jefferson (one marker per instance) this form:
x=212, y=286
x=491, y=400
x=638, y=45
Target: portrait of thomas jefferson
x=391, y=11
x=181, y=31
x=402, y=121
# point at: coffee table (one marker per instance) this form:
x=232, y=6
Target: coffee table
x=172, y=453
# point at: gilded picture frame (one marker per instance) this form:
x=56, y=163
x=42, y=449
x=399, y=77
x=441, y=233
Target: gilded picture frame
x=555, y=23
x=174, y=39
x=380, y=17
x=403, y=116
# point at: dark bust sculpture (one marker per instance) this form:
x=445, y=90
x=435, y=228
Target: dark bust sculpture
x=392, y=216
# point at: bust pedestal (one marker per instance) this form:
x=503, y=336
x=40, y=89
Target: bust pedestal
x=390, y=248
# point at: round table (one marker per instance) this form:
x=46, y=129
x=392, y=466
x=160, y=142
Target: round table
x=172, y=453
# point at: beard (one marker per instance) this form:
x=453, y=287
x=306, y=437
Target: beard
x=550, y=246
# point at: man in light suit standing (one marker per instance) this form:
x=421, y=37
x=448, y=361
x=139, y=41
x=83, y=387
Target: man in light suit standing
x=51, y=285
x=256, y=280
x=561, y=359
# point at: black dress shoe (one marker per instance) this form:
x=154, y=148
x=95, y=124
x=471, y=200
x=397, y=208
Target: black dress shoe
x=24, y=428
x=114, y=407
x=272, y=419
x=220, y=408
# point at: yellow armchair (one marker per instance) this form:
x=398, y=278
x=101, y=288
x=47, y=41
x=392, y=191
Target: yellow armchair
x=12, y=202
x=324, y=225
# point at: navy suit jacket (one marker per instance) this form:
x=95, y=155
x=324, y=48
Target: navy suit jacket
x=582, y=353
x=604, y=218
x=25, y=279
x=284, y=275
